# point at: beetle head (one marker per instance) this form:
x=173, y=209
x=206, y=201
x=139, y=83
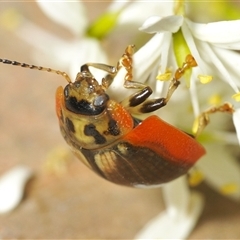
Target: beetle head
x=85, y=96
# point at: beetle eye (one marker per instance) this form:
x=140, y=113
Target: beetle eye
x=66, y=92
x=100, y=100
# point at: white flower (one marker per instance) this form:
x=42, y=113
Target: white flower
x=67, y=55
x=212, y=46
x=182, y=211
x=86, y=42
x=210, y=53
x=117, y=27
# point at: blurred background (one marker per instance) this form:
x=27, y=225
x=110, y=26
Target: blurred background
x=68, y=200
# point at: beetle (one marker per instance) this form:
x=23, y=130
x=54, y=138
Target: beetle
x=107, y=136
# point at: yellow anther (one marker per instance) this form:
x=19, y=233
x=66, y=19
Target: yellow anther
x=195, y=126
x=164, y=77
x=215, y=99
x=10, y=19
x=195, y=178
x=236, y=97
x=229, y=188
x=205, y=78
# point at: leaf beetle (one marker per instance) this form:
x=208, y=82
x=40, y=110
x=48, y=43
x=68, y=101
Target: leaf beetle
x=105, y=135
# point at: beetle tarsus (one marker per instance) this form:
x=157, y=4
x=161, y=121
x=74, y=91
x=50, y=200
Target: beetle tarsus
x=203, y=119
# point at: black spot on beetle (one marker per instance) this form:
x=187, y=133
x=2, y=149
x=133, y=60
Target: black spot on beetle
x=90, y=130
x=82, y=106
x=69, y=125
x=113, y=128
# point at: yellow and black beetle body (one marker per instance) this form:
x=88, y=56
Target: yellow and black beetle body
x=106, y=136
x=109, y=140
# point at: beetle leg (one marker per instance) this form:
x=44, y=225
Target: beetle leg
x=189, y=63
x=107, y=68
x=136, y=99
x=203, y=119
x=154, y=104
x=126, y=62
x=111, y=70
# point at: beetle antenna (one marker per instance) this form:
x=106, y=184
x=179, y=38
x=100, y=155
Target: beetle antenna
x=15, y=63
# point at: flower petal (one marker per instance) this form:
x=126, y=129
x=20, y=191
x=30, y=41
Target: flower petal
x=224, y=33
x=70, y=56
x=145, y=62
x=71, y=15
x=202, y=66
x=231, y=61
x=136, y=12
x=227, y=45
x=216, y=65
x=221, y=170
x=117, y=5
x=147, y=57
x=156, y=24
x=181, y=215
x=12, y=185
x=64, y=55
x=236, y=122
x=84, y=51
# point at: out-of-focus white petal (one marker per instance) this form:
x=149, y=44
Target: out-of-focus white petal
x=85, y=51
x=236, y=121
x=70, y=14
x=221, y=170
x=182, y=212
x=70, y=56
x=41, y=37
x=12, y=185
x=64, y=55
x=156, y=24
x=224, y=33
x=136, y=12
x=117, y=5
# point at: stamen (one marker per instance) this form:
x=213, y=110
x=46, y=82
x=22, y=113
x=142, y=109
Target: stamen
x=229, y=188
x=236, y=97
x=165, y=76
x=10, y=19
x=195, y=126
x=215, y=99
x=195, y=178
x=205, y=78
